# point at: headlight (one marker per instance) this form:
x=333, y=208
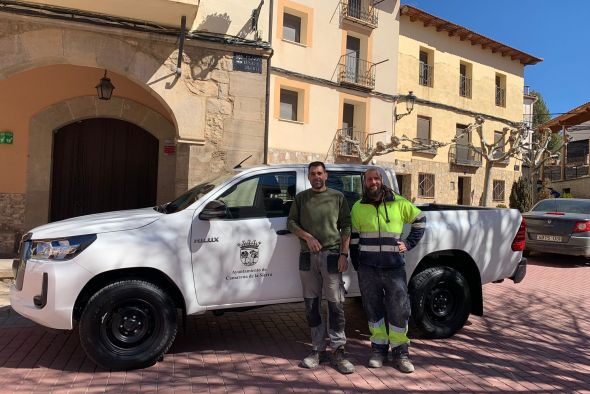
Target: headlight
x=61, y=249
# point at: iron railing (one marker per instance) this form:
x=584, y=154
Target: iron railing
x=425, y=74
x=500, y=97
x=576, y=171
x=424, y=141
x=464, y=155
x=553, y=173
x=344, y=148
x=359, y=11
x=355, y=71
x=464, y=86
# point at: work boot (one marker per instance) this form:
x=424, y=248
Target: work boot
x=314, y=359
x=340, y=362
x=401, y=359
x=377, y=358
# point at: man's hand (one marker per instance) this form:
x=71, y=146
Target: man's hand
x=313, y=244
x=402, y=246
x=342, y=263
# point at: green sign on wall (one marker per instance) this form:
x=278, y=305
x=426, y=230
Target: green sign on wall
x=6, y=137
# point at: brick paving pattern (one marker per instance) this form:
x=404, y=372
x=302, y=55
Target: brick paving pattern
x=535, y=337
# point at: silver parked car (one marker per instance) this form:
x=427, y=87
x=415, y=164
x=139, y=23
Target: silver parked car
x=559, y=225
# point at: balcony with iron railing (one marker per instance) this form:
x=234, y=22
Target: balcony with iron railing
x=464, y=86
x=425, y=74
x=356, y=72
x=421, y=142
x=464, y=155
x=359, y=11
x=349, y=149
x=500, y=96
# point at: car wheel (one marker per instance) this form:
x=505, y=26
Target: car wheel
x=128, y=324
x=441, y=302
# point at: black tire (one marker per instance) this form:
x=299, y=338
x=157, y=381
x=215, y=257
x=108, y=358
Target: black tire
x=128, y=324
x=441, y=302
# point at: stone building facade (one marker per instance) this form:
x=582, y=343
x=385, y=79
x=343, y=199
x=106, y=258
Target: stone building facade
x=205, y=117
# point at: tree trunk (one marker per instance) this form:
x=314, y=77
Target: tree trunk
x=486, y=183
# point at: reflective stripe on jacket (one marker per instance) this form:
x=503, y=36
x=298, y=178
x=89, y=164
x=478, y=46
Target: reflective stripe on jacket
x=377, y=227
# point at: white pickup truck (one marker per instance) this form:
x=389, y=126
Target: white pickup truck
x=125, y=276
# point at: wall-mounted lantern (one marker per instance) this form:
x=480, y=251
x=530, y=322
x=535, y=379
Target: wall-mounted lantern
x=410, y=100
x=105, y=88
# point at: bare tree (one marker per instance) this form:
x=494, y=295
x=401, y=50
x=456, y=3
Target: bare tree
x=510, y=144
x=541, y=149
x=515, y=142
x=366, y=152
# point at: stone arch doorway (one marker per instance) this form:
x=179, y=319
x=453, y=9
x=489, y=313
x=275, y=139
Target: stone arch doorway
x=41, y=155
x=102, y=164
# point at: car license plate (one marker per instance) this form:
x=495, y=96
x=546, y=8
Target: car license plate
x=551, y=238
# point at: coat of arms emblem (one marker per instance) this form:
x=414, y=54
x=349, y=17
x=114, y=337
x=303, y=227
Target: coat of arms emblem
x=249, y=252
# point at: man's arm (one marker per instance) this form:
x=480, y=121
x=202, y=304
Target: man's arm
x=416, y=233
x=344, y=223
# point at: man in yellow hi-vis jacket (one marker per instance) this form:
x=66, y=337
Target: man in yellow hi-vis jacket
x=376, y=249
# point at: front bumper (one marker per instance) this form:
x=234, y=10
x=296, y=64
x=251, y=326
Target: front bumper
x=520, y=271
x=48, y=292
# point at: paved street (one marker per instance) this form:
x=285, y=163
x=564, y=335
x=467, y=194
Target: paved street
x=535, y=337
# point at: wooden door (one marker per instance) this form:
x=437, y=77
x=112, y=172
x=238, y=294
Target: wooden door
x=102, y=165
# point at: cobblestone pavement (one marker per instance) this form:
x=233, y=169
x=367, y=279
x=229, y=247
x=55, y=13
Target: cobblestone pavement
x=534, y=337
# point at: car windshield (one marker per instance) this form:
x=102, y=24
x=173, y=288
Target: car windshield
x=563, y=205
x=192, y=195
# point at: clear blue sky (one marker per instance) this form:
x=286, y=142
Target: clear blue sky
x=556, y=31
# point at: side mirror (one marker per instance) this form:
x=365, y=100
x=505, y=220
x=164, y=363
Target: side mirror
x=214, y=210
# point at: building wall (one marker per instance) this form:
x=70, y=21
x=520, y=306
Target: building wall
x=48, y=71
x=446, y=108
x=218, y=16
x=318, y=57
x=579, y=187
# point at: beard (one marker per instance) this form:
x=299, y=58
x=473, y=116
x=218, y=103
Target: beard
x=374, y=193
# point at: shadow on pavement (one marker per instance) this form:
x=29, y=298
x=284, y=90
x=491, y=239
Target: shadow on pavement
x=528, y=341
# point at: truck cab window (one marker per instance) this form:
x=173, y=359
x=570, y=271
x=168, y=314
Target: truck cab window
x=266, y=195
x=348, y=183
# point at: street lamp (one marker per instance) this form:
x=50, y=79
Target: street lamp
x=105, y=88
x=410, y=99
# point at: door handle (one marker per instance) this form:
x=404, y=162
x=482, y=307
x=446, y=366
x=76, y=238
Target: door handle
x=283, y=232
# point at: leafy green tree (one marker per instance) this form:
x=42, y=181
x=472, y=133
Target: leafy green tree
x=541, y=112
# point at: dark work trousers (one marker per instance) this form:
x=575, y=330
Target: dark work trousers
x=319, y=276
x=385, y=293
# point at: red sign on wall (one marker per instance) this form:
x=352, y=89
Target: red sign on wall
x=169, y=147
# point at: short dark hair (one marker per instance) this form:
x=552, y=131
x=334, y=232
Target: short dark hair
x=316, y=164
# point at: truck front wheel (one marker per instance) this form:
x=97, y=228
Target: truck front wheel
x=441, y=302
x=128, y=324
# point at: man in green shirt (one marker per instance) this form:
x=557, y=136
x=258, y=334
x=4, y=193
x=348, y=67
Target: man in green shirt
x=320, y=217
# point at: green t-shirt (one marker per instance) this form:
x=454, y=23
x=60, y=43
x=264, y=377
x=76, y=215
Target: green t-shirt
x=325, y=215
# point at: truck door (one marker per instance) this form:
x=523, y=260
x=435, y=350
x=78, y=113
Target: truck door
x=241, y=259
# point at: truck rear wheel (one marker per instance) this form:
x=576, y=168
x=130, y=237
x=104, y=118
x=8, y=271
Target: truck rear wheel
x=128, y=324
x=441, y=302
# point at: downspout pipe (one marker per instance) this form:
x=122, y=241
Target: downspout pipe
x=267, y=97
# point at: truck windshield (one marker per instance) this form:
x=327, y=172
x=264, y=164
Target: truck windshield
x=192, y=195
